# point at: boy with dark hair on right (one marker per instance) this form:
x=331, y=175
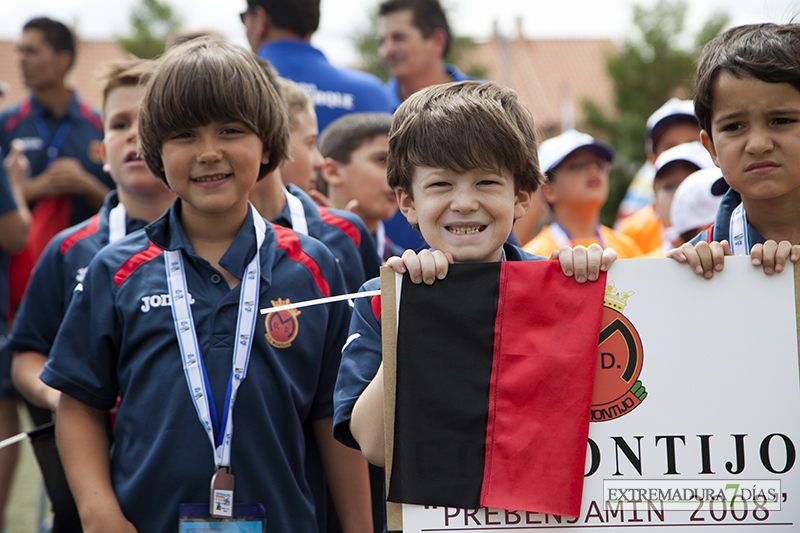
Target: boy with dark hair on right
x=748, y=104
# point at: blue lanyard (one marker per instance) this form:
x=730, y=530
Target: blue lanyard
x=53, y=145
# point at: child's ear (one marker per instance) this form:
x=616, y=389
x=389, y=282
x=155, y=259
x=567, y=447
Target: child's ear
x=708, y=143
x=522, y=203
x=265, y=157
x=104, y=157
x=331, y=172
x=406, y=204
x=548, y=193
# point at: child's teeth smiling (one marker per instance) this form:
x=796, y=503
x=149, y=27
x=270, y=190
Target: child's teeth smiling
x=465, y=230
x=215, y=177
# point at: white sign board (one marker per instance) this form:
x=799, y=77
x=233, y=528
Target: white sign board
x=716, y=408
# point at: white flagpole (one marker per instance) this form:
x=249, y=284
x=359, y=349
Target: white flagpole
x=318, y=301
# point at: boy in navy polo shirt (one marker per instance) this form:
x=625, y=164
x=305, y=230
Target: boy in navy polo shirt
x=463, y=181
x=140, y=198
x=748, y=105
x=354, y=173
x=155, y=316
x=285, y=203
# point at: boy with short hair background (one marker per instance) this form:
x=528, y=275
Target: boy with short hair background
x=140, y=198
x=353, y=176
x=211, y=125
x=576, y=168
x=748, y=104
x=463, y=192
x=284, y=202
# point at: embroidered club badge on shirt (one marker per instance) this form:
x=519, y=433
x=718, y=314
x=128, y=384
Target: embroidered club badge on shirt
x=282, y=326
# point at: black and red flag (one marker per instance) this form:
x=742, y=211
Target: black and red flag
x=495, y=366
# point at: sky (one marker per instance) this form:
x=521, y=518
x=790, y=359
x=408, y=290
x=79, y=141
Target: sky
x=342, y=19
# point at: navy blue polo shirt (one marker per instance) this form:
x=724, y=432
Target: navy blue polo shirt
x=336, y=91
x=58, y=271
x=343, y=232
x=82, y=141
x=722, y=222
x=363, y=353
x=118, y=338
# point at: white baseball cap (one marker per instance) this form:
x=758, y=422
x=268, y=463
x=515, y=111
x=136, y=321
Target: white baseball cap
x=554, y=150
x=692, y=152
x=696, y=200
x=673, y=110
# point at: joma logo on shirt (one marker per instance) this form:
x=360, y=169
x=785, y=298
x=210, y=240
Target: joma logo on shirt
x=158, y=300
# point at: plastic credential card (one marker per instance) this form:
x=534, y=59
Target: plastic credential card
x=247, y=518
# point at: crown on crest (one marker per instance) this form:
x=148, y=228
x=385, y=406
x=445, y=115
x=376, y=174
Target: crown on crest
x=280, y=301
x=615, y=299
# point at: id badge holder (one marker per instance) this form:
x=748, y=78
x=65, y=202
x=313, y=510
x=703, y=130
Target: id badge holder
x=246, y=518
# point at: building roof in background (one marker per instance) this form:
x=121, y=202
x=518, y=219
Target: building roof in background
x=82, y=77
x=551, y=76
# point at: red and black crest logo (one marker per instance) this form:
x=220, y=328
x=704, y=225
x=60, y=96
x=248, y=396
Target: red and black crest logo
x=282, y=326
x=617, y=389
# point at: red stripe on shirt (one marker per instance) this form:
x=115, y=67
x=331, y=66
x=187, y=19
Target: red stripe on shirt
x=343, y=224
x=13, y=122
x=135, y=261
x=710, y=234
x=91, y=116
x=89, y=229
x=289, y=241
x=376, y=306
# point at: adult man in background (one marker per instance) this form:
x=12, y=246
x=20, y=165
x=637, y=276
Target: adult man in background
x=414, y=38
x=61, y=137
x=280, y=32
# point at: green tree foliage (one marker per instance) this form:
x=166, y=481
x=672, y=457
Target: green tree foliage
x=152, y=22
x=652, y=67
x=366, y=43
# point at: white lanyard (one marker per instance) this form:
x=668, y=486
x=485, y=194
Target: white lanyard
x=563, y=238
x=193, y=365
x=116, y=223
x=298, y=214
x=380, y=240
x=737, y=231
